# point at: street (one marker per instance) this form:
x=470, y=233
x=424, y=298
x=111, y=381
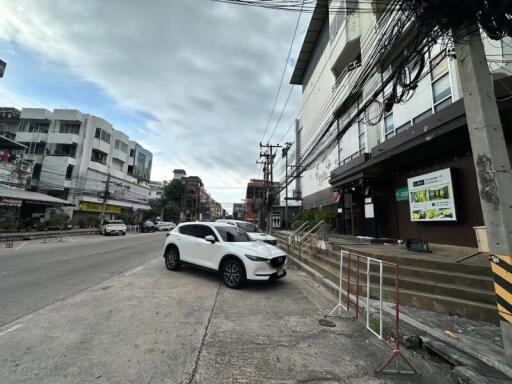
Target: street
x=105, y=310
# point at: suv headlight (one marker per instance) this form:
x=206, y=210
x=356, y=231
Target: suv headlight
x=256, y=258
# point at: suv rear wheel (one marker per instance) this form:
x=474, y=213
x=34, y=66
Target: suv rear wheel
x=233, y=274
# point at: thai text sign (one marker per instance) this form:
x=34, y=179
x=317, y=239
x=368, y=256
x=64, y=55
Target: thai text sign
x=431, y=197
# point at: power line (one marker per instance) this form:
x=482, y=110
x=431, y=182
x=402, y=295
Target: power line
x=283, y=74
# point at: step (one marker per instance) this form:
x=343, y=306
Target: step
x=484, y=283
x=420, y=284
x=461, y=307
x=420, y=262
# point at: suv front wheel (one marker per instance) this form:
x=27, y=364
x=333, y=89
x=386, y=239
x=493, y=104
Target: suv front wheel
x=233, y=274
x=172, y=258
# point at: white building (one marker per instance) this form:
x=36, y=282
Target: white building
x=358, y=153
x=74, y=154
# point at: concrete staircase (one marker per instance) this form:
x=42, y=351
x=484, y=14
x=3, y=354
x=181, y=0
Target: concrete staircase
x=464, y=290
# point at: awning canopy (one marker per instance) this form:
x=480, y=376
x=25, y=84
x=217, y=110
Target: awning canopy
x=6, y=143
x=18, y=194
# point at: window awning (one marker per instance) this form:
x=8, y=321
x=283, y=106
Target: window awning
x=36, y=197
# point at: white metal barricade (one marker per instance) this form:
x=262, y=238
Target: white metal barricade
x=346, y=297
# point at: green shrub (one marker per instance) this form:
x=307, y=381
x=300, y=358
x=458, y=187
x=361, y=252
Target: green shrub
x=82, y=223
x=60, y=220
x=92, y=221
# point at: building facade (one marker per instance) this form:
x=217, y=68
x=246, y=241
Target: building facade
x=80, y=157
x=368, y=155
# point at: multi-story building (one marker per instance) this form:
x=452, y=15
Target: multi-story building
x=74, y=156
x=368, y=155
x=238, y=211
x=156, y=189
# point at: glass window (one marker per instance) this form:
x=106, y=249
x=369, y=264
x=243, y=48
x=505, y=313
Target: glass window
x=35, y=126
x=36, y=172
x=403, y=127
x=439, y=65
x=97, y=134
x=195, y=230
x=73, y=128
x=105, y=136
x=422, y=116
x=443, y=104
x=69, y=172
x=99, y=157
x=248, y=227
x=232, y=234
x=389, y=124
x=441, y=89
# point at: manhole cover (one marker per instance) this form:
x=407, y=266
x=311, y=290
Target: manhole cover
x=326, y=323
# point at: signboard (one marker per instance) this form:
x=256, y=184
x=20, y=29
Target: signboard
x=10, y=202
x=96, y=207
x=142, y=163
x=401, y=194
x=431, y=197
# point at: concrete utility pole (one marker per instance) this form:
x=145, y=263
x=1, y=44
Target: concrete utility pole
x=269, y=156
x=285, y=155
x=106, y=194
x=492, y=165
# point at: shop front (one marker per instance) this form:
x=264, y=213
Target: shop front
x=420, y=184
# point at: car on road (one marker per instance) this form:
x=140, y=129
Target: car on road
x=254, y=232
x=113, y=227
x=148, y=226
x=165, y=225
x=226, y=249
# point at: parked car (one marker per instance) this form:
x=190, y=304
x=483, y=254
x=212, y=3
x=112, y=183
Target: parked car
x=226, y=249
x=254, y=232
x=113, y=227
x=148, y=226
x=165, y=225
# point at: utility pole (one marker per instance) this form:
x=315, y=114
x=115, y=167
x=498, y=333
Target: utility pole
x=269, y=156
x=492, y=165
x=106, y=193
x=285, y=155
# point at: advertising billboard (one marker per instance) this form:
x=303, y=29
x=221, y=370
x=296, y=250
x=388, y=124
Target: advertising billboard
x=142, y=163
x=431, y=197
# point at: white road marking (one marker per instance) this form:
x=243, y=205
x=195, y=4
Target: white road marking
x=20, y=246
x=14, y=327
x=133, y=271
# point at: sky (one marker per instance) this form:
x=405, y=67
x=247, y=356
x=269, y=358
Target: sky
x=193, y=81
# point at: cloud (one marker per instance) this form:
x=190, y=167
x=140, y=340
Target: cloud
x=205, y=72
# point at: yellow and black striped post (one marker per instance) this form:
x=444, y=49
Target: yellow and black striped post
x=502, y=272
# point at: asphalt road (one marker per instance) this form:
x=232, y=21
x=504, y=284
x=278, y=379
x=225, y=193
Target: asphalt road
x=34, y=274
x=97, y=311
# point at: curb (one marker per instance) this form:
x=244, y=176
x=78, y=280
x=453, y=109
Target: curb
x=488, y=360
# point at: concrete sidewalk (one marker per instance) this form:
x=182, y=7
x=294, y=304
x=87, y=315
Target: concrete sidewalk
x=150, y=325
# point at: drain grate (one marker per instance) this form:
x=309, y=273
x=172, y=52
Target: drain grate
x=326, y=323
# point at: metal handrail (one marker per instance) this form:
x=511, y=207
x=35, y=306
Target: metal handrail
x=293, y=237
x=311, y=230
x=298, y=229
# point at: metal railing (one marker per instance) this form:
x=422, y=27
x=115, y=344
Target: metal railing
x=292, y=239
x=310, y=238
x=352, y=295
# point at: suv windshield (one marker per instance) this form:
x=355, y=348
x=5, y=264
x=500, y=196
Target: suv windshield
x=114, y=222
x=232, y=234
x=248, y=227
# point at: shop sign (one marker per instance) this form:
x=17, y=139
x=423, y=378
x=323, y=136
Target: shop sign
x=402, y=194
x=431, y=197
x=96, y=207
x=10, y=202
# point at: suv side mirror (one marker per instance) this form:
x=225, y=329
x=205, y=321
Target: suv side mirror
x=210, y=238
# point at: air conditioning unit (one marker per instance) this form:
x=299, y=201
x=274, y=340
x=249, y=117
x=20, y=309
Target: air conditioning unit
x=25, y=168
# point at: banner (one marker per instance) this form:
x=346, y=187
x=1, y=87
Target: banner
x=97, y=207
x=431, y=197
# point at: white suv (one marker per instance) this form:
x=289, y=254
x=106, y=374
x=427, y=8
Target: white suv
x=254, y=232
x=226, y=249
